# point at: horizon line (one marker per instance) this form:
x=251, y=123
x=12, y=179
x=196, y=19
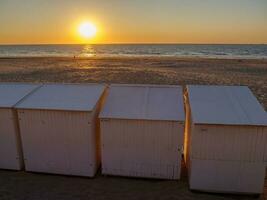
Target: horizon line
x=155, y=43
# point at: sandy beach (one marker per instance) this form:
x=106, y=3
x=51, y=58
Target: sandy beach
x=32, y=186
x=133, y=70
x=143, y=70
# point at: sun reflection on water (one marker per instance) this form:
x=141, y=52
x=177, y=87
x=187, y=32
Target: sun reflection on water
x=88, y=51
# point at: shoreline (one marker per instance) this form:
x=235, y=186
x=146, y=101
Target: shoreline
x=133, y=57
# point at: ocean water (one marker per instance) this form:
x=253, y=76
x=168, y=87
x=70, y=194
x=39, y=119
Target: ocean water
x=178, y=50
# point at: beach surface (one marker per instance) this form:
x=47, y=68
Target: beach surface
x=33, y=186
x=132, y=70
x=140, y=70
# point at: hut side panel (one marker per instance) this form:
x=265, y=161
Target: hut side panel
x=265, y=151
x=9, y=141
x=230, y=143
x=58, y=142
x=231, y=176
x=141, y=148
x=187, y=133
x=95, y=130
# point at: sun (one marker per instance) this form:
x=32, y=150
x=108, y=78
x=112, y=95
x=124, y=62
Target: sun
x=87, y=30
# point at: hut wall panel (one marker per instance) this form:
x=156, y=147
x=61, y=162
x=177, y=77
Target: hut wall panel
x=232, y=143
x=95, y=129
x=58, y=142
x=141, y=148
x=265, y=150
x=187, y=134
x=230, y=176
x=10, y=147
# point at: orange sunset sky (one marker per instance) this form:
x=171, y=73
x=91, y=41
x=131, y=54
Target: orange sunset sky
x=135, y=21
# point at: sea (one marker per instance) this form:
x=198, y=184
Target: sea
x=249, y=51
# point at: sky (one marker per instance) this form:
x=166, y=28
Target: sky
x=134, y=21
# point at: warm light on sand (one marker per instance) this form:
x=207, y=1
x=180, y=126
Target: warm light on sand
x=87, y=30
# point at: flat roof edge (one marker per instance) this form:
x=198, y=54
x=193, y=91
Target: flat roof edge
x=145, y=85
x=50, y=109
x=140, y=119
x=228, y=124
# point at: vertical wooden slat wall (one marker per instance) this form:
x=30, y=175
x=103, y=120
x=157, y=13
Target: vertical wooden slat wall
x=58, y=142
x=142, y=148
x=10, y=147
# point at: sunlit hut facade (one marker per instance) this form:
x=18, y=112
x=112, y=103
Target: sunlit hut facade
x=142, y=129
x=225, y=139
x=59, y=129
x=10, y=144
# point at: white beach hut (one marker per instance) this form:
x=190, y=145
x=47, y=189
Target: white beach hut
x=225, y=139
x=142, y=128
x=59, y=129
x=265, y=155
x=10, y=145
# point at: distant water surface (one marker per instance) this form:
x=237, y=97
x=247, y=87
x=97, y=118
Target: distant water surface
x=178, y=50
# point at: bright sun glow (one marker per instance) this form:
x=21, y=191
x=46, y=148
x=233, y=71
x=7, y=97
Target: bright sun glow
x=87, y=30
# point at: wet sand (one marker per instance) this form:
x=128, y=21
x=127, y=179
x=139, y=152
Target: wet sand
x=152, y=70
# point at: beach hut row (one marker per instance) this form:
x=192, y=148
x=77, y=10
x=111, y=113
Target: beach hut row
x=137, y=131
